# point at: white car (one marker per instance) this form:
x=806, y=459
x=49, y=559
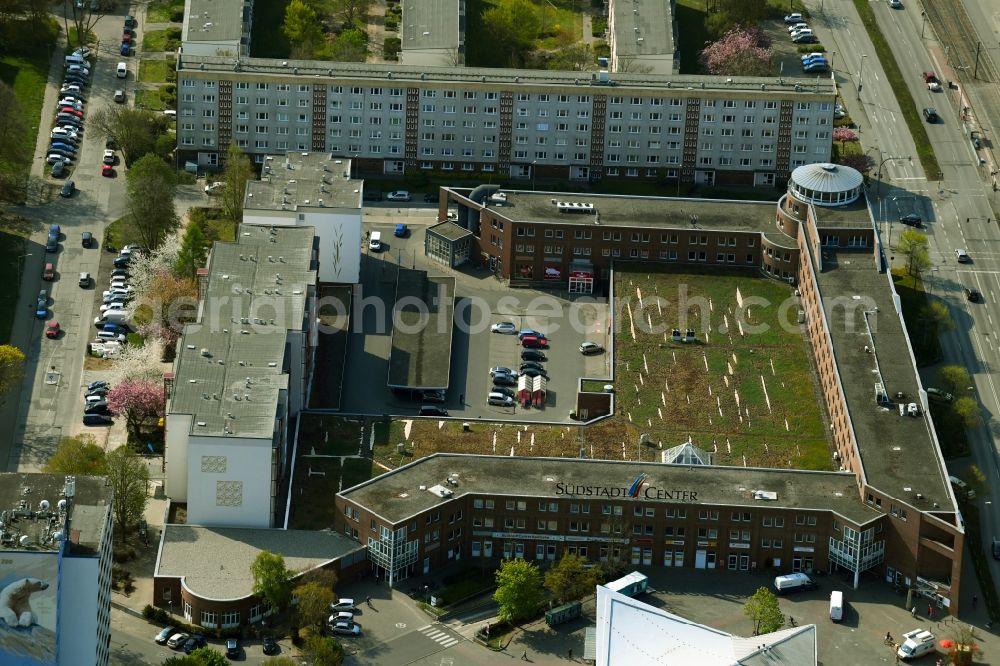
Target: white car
x=793, y=18
x=838, y=111
x=113, y=305
x=72, y=101
x=121, y=71
x=214, y=188
x=398, y=195
x=962, y=256
x=83, y=52
x=342, y=605
x=346, y=628
x=109, y=156
x=797, y=27
x=64, y=134
x=504, y=328
x=56, y=157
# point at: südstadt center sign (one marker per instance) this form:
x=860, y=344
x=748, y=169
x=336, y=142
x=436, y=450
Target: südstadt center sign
x=639, y=488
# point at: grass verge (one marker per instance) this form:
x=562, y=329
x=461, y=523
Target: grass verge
x=168, y=39
x=907, y=105
x=154, y=71
x=149, y=99
x=166, y=11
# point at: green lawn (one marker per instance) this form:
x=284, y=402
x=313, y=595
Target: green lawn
x=13, y=237
x=749, y=397
x=155, y=71
x=149, y=99
x=28, y=75
x=266, y=39
x=165, y=11
x=162, y=40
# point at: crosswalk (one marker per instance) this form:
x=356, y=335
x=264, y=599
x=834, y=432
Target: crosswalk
x=437, y=634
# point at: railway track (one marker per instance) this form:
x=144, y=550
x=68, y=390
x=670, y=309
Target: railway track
x=953, y=28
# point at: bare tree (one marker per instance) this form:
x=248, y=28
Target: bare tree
x=236, y=173
x=134, y=130
x=128, y=477
x=85, y=16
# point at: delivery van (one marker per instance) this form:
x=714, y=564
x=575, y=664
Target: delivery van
x=836, y=605
x=794, y=582
x=375, y=242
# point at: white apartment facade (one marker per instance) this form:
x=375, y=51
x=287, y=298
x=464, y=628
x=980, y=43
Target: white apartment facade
x=512, y=123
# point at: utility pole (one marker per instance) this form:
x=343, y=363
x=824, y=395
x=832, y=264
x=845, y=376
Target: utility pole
x=923, y=25
x=975, y=70
x=861, y=73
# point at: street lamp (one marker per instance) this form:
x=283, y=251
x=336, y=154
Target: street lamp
x=878, y=174
x=923, y=25
x=861, y=72
x=533, y=164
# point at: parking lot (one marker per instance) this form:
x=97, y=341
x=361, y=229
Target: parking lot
x=480, y=302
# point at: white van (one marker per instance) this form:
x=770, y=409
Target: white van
x=375, y=242
x=916, y=644
x=836, y=605
x=794, y=582
x=76, y=59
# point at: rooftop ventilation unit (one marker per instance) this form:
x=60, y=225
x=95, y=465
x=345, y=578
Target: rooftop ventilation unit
x=440, y=491
x=575, y=207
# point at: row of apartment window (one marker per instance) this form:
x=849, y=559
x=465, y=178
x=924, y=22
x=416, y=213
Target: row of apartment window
x=210, y=619
x=635, y=236
x=898, y=511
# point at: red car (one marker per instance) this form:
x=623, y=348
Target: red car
x=52, y=330
x=49, y=272
x=69, y=109
x=126, y=38
x=534, y=342
x=107, y=171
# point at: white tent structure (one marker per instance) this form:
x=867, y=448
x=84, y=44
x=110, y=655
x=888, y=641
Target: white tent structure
x=686, y=454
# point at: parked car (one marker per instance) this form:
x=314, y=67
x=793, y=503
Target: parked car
x=587, y=348
x=911, y=220
x=49, y=271
x=525, y=332
x=125, y=49
x=99, y=383
x=531, y=364
x=84, y=280
x=372, y=195
x=534, y=342
x=398, y=195
x=59, y=170
x=501, y=370
x=119, y=96
x=343, y=605
x=535, y=372
x=437, y=395
x=805, y=38
x=52, y=330
x=100, y=390
x=107, y=170
x=193, y=643
x=164, y=635
x=97, y=420
x=433, y=410
x=68, y=188
x=121, y=262
x=119, y=272
x=798, y=27
x=995, y=548
x=56, y=158
x=962, y=489
x=121, y=71
x=71, y=110
x=232, y=648
x=270, y=646
x=503, y=390
x=533, y=355
x=97, y=407
x=346, y=628
x=815, y=67
x=931, y=114
x=504, y=380
x=504, y=327
x=794, y=18
x=401, y=230
x=87, y=239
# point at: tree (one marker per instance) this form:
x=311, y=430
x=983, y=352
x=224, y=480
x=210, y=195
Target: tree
x=323, y=650
x=151, y=188
x=137, y=400
x=351, y=45
x=135, y=131
x=739, y=52
x=314, y=603
x=138, y=362
x=207, y=656
x=237, y=172
x=968, y=410
x=936, y=316
x=128, y=477
x=965, y=644
x=519, y=590
x=976, y=479
x=84, y=16
x=77, y=455
x=576, y=57
x=731, y=13
x=15, y=153
x=193, y=253
x=862, y=163
x=513, y=25
x=913, y=245
x=323, y=577
x=302, y=28
x=11, y=368
x=166, y=305
x=352, y=12
x=571, y=579
x=763, y=610
x=844, y=134
x=271, y=580
x=954, y=379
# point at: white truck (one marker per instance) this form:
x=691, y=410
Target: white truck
x=375, y=242
x=916, y=644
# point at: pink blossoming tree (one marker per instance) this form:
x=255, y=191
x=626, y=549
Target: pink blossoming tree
x=136, y=400
x=739, y=52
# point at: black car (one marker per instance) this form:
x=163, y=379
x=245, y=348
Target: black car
x=59, y=170
x=911, y=220
x=165, y=635
x=196, y=641
x=995, y=549
x=109, y=142
x=97, y=390
x=531, y=364
x=97, y=420
x=503, y=390
x=931, y=115
x=88, y=239
x=68, y=188
x=99, y=407
x=533, y=355
x=503, y=380
x=270, y=646
x=100, y=383
x=121, y=262
x=372, y=195
x=120, y=272
x=972, y=295
x=233, y=648
x=431, y=197
x=534, y=372
x=433, y=410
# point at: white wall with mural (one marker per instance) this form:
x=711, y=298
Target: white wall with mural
x=28, y=591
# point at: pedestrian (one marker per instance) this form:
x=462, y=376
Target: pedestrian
x=368, y=600
x=461, y=399
x=975, y=600
x=524, y=656
x=913, y=612
x=930, y=612
x=570, y=653
x=888, y=637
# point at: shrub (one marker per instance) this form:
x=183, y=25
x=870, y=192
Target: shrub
x=391, y=22
x=598, y=27
x=391, y=48
x=810, y=48
x=177, y=16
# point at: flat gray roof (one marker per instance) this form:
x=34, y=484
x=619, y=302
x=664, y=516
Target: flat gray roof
x=213, y=20
x=397, y=495
x=674, y=85
x=301, y=179
x=430, y=24
x=215, y=561
x=20, y=502
x=899, y=453
x=643, y=27
x=449, y=230
x=229, y=371
x=423, y=323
